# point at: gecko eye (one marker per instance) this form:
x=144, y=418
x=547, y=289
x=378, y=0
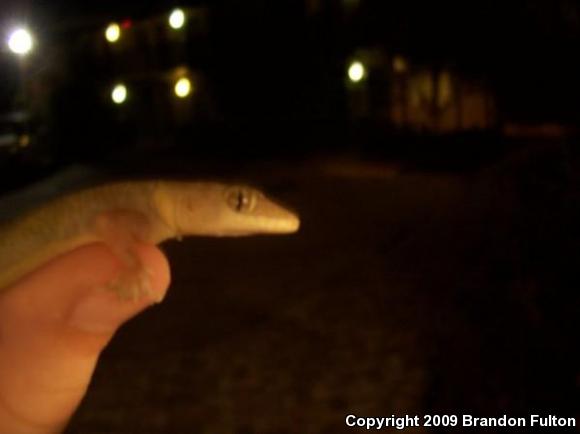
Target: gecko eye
x=241, y=199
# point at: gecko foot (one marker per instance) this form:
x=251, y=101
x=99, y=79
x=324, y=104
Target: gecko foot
x=132, y=285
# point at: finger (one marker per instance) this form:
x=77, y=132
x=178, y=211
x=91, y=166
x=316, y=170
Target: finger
x=53, y=325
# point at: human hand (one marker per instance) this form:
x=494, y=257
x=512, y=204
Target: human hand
x=54, y=323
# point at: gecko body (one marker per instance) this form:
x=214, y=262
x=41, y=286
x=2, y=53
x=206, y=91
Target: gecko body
x=125, y=213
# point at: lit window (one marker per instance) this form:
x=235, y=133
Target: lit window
x=177, y=19
x=182, y=87
x=119, y=94
x=113, y=32
x=356, y=71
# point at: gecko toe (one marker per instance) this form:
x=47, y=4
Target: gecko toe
x=132, y=286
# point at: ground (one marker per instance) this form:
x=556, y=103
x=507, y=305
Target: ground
x=405, y=292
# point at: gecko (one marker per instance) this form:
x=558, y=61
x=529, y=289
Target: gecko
x=123, y=214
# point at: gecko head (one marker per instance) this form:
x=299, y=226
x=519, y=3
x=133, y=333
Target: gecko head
x=226, y=210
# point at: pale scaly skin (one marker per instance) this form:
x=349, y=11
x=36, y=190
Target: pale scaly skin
x=126, y=213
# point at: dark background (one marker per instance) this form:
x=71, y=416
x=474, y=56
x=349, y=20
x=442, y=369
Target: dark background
x=436, y=270
x=275, y=74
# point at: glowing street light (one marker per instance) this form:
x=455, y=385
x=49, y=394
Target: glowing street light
x=20, y=42
x=177, y=19
x=356, y=71
x=182, y=87
x=113, y=33
x=119, y=94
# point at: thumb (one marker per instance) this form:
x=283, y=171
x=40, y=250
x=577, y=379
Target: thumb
x=53, y=325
